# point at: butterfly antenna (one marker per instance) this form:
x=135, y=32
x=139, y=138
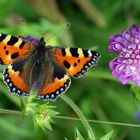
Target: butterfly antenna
x=67, y=25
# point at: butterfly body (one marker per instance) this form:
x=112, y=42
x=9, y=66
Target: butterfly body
x=44, y=68
x=38, y=61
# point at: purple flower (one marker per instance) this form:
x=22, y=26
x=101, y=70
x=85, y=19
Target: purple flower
x=126, y=65
x=30, y=39
x=138, y=115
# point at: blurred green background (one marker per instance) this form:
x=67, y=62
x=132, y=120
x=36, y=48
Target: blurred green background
x=98, y=95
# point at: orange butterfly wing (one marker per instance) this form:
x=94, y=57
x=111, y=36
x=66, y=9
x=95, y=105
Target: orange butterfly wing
x=12, y=78
x=76, y=61
x=59, y=84
x=12, y=48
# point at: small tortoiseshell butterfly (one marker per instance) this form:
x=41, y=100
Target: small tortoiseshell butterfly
x=33, y=65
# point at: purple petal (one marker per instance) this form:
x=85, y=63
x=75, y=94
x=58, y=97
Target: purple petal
x=22, y=37
x=123, y=79
x=119, y=38
x=112, y=37
x=30, y=39
x=115, y=46
x=113, y=63
x=115, y=73
x=120, y=67
x=134, y=28
x=127, y=34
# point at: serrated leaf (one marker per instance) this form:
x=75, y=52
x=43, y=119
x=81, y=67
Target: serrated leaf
x=107, y=136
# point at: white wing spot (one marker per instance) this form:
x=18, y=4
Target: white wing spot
x=57, y=92
x=10, y=84
x=14, y=89
x=52, y=96
x=8, y=80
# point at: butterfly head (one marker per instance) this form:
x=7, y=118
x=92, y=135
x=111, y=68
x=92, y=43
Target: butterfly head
x=39, y=51
x=41, y=43
x=40, y=47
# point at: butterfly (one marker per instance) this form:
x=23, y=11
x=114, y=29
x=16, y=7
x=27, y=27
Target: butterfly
x=34, y=65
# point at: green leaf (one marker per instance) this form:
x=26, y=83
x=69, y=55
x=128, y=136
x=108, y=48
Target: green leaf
x=78, y=136
x=80, y=114
x=89, y=135
x=107, y=136
x=136, y=91
x=30, y=105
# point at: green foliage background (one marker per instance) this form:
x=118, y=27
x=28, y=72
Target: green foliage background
x=98, y=95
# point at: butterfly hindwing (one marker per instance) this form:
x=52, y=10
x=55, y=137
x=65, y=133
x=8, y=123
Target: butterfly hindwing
x=12, y=78
x=12, y=48
x=76, y=61
x=59, y=84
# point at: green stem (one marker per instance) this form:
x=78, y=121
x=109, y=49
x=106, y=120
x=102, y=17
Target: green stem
x=101, y=122
x=14, y=112
x=80, y=115
x=10, y=112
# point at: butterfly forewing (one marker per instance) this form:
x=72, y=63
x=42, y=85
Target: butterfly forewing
x=12, y=48
x=76, y=61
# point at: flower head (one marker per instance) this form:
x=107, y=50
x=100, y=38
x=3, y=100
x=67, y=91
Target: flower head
x=43, y=116
x=126, y=65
